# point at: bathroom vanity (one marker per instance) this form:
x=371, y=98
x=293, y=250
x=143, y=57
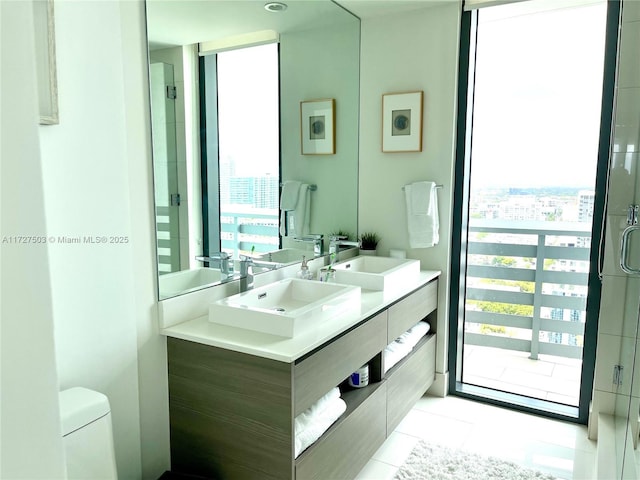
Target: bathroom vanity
x=234, y=394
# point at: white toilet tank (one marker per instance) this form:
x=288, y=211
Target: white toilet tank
x=87, y=434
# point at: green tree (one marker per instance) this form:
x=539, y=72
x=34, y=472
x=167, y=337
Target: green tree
x=504, y=308
x=499, y=260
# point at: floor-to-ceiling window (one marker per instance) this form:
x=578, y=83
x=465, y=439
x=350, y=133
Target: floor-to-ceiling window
x=241, y=149
x=530, y=204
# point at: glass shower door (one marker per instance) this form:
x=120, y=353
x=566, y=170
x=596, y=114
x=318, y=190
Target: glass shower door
x=617, y=386
x=627, y=409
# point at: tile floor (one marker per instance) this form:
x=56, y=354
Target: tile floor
x=555, y=447
x=552, y=378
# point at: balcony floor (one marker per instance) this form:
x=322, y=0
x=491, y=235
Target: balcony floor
x=556, y=379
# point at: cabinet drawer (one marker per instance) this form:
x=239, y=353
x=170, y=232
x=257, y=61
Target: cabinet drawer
x=408, y=380
x=406, y=313
x=325, y=369
x=345, y=449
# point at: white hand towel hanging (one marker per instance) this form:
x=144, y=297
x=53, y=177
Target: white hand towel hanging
x=288, y=202
x=422, y=214
x=302, y=212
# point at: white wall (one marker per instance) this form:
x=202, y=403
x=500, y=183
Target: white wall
x=152, y=352
x=29, y=418
x=321, y=64
x=408, y=52
x=90, y=160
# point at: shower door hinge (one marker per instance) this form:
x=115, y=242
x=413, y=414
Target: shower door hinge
x=632, y=215
x=172, y=93
x=175, y=199
x=617, y=375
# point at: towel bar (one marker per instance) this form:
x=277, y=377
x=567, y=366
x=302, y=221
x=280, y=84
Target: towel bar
x=313, y=187
x=438, y=186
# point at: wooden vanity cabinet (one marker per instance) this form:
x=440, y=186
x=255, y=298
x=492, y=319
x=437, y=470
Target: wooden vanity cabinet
x=232, y=414
x=412, y=376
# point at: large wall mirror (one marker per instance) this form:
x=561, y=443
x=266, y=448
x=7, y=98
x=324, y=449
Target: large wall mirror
x=234, y=87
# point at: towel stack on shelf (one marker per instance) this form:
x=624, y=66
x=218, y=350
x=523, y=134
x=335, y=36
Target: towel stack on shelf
x=402, y=346
x=313, y=422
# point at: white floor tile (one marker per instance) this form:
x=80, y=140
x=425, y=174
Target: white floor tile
x=427, y=426
x=559, y=448
x=376, y=470
x=396, y=449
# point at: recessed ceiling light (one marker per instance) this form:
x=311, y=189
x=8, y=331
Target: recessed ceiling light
x=275, y=7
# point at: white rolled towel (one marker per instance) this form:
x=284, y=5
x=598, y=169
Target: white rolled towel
x=314, y=421
x=412, y=336
x=393, y=353
x=402, y=346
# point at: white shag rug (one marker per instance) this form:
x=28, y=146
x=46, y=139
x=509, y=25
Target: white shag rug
x=434, y=462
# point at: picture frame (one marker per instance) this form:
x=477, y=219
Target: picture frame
x=45, y=46
x=402, y=122
x=318, y=127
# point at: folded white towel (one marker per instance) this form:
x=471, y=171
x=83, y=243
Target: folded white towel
x=422, y=214
x=414, y=334
x=420, y=197
x=288, y=201
x=313, y=422
x=402, y=346
x=393, y=353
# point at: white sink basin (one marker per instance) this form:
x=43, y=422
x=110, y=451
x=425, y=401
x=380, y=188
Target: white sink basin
x=377, y=273
x=170, y=284
x=285, y=255
x=285, y=308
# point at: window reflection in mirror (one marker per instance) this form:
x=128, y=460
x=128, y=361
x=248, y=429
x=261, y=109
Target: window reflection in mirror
x=240, y=150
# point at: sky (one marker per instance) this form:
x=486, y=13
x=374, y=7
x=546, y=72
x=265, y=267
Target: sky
x=248, y=106
x=537, y=97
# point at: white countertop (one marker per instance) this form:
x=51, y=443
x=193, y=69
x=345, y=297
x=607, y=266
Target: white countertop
x=201, y=330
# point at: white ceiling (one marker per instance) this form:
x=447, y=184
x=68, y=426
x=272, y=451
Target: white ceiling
x=184, y=22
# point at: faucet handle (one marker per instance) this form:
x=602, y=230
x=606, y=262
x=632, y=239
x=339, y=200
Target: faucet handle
x=310, y=237
x=213, y=256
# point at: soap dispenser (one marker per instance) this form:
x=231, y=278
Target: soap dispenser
x=304, y=272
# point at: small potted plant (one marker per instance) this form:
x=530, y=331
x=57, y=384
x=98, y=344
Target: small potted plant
x=369, y=243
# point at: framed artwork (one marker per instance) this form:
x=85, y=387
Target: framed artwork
x=318, y=127
x=402, y=122
x=45, y=43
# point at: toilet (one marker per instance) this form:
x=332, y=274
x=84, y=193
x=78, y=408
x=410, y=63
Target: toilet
x=87, y=434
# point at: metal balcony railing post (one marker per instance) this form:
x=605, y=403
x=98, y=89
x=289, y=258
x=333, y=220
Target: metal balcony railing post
x=537, y=298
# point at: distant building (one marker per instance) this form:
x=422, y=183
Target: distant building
x=585, y=205
x=520, y=207
x=259, y=192
x=585, y=213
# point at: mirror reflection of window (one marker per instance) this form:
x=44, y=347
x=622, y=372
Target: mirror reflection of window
x=246, y=164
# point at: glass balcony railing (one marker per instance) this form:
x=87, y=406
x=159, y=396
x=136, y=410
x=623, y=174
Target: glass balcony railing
x=241, y=231
x=527, y=288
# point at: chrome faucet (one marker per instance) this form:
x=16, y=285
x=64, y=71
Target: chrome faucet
x=246, y=273
x=337, y=241
x=220, y=260
x=246, y=270
x=316, y=239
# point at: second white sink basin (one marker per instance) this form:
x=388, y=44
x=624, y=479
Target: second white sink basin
x=377, y=273
x=285, y=308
